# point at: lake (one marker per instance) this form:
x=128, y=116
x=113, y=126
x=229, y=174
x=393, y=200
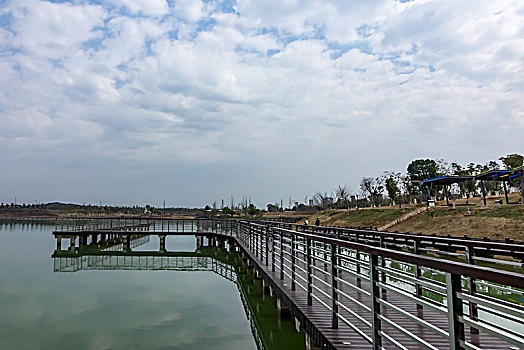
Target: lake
x=99, y=303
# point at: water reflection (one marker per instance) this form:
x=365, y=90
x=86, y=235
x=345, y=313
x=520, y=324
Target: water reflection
x=217, y=256
x=123, y=308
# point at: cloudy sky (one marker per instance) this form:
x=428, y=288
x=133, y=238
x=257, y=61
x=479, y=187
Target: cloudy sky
x=137, y=101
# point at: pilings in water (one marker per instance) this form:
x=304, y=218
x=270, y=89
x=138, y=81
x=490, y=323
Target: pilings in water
x=162, y=243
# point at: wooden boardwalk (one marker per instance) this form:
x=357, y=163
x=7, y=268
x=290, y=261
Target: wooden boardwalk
x=357, y=295
x=345, y=337
x=319, y=316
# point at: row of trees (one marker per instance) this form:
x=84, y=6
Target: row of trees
x=393, y=187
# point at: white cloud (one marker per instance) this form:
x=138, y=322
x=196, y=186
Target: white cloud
x=143, y=7
x=367, y=84
x=190, y=10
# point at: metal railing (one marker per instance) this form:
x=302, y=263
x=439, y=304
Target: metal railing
x=367, y=289
x=472, y=250
x=93, y=225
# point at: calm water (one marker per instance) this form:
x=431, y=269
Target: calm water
x=124, y=309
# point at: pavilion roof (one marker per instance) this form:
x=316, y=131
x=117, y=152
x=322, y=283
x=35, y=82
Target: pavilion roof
x=445, y=180
x=500, y=175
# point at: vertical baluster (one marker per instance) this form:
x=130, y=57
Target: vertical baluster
x=456, y=328
x=293, y=275
x=375, y=305
x=418, y=273
x=382, y=259
x=357, y=267
x=334, y=287
x=472, y=290
x=281, y=255
x=272, y=232
x=309, y=273
x=257, y=240
x=267, y=244
x=249, y=237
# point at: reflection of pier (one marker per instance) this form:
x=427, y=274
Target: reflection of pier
x=141, y=262
x=213, y=254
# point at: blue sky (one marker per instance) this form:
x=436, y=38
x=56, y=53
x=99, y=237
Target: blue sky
x=137, y=101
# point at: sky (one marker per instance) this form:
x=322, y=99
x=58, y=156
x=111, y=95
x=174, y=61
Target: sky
x=189, y=101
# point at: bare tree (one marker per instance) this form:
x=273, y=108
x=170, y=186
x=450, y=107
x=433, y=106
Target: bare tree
x=372, y=188
x=342, y=193
x=321, y=199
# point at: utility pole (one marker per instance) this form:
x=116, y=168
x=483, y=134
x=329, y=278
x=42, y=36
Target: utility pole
x=164, y=209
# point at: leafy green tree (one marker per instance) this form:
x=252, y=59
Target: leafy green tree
x=422, y=169
x=392, y=188
x=252, y=210
x=512, y=161
x=272, y=208
x=228, y=212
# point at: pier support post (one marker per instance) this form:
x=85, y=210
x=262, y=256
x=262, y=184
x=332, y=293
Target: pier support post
x=310, y=343
x=298, y=327
x=72, y=242
x=126, y=240
x=266, y=288
x=198, y=241
x=282, y=310
x=162, y=243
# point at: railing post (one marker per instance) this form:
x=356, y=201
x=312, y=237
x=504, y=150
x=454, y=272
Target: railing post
x=249, y=237
x=272, y=249
x=334, y=287
x=456, y=328
x=293, y=275
x=472, y=290
x=382, y=259
x=418, y=273
x=357, y=268
x=375, y=305
x=309, y=274
x=255, y=233
x=281, y=255
x=267, y=245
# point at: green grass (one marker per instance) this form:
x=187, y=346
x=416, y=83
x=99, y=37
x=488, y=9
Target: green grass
x=515, y=212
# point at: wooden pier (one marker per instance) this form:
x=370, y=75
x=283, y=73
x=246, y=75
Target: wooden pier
x=357, y=289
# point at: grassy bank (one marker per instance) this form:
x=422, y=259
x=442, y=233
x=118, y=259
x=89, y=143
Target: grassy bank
x=495, y=221
x=364, y=217
x=492, y=221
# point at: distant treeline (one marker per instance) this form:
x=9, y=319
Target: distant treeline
x=396, y=188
